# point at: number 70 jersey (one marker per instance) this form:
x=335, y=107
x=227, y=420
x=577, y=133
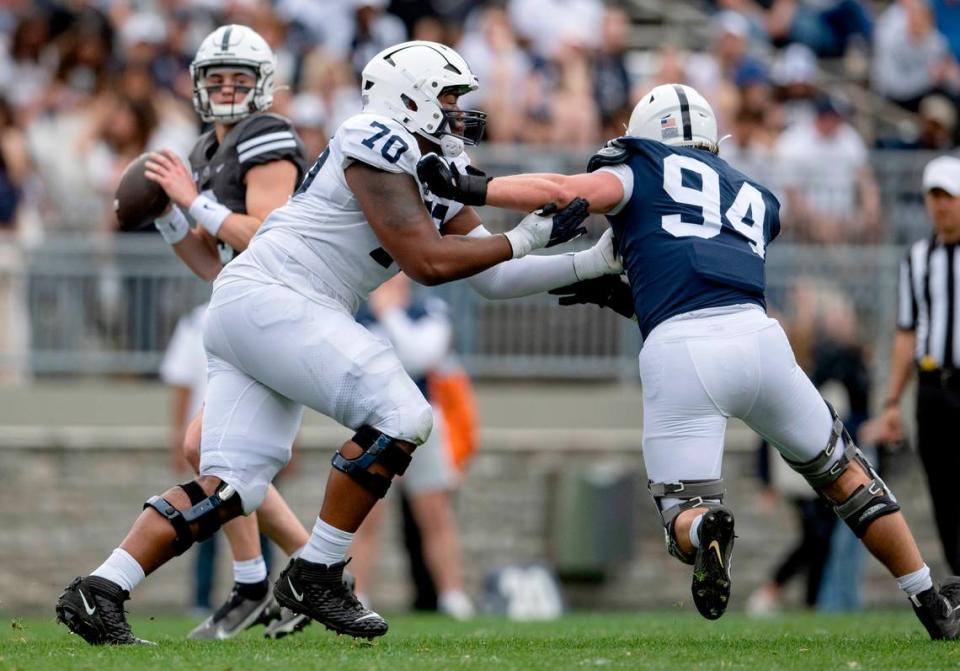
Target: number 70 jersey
x=322, y=226
x=692, y=231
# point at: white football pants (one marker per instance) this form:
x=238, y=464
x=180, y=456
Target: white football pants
x=270, y=352
x=700, y=368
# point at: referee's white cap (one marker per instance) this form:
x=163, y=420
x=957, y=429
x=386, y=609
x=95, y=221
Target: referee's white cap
x=943, y=172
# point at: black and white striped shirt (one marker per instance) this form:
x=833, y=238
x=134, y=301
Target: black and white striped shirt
x=928, y=302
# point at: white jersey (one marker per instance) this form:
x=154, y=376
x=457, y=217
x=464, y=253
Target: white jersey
x=334, y=252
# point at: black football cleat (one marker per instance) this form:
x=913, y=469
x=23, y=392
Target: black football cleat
x=92, y=608
x=711, y=569
x=318, y=591
x=938, y=610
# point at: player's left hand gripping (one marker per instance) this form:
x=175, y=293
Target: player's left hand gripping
x=444, y=180
x=611, y=291
x=568, y=222
x=548, y=227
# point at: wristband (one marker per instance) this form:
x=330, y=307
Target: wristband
x=173, y=226
x=209, y=213
x=520, y=242
x=473, y=189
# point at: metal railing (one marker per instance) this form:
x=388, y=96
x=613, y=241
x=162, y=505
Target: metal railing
x=77, y=305
x=110, y=308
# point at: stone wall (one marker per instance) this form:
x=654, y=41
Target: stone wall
x=69, y=491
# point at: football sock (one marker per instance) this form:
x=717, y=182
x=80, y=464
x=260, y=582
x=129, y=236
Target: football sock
x=121, y=569
x=456, y=603
x=253, y=591
x=250, y=571
x=327, y=545
x=695, y=531
x=916, y=582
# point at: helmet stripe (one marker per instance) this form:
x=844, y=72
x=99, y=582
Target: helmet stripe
x=684, y=113
x=225, y=42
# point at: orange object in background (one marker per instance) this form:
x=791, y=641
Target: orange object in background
x=452, y=392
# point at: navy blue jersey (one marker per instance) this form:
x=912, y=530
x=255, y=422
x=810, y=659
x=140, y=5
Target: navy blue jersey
x=693, y=234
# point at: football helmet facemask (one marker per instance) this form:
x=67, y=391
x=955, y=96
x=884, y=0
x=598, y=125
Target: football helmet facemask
x=404, y=83
x=233, y=47
x=676, y=115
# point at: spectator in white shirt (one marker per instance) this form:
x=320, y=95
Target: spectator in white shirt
x=831, y=195
x=911, y=57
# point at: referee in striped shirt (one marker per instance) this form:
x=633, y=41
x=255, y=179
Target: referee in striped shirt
x=928, y=340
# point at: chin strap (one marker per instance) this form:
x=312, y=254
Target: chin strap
x=451, y=146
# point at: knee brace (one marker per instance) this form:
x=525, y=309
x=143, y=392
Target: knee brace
x=204, y=511
x=692, y=494
x=377, y=448
x=868, y=502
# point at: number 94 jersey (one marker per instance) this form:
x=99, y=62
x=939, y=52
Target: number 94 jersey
x=323, y=228
x=692, y=231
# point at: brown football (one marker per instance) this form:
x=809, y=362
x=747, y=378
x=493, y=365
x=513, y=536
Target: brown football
x=138, y=201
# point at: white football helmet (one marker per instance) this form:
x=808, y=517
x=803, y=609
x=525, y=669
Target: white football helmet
x=404, y=81
x=228, y=47
x=676, y=115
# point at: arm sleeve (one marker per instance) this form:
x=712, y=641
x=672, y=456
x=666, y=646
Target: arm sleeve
x=421, y=344
x=268, y=138
x=524, y=276
x=906, y=301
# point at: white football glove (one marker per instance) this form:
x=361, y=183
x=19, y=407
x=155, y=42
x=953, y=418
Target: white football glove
x=601, y=259
x=548, y=226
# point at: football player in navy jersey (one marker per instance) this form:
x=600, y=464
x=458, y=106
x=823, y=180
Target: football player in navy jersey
x=692, y=234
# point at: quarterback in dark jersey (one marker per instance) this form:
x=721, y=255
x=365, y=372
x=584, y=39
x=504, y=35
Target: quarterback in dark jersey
x=243, y=168
x=692, y=234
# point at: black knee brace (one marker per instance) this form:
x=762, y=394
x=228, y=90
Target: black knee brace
x=377, y=448
x=692, y=494
x=203, y=512
x=868, y=502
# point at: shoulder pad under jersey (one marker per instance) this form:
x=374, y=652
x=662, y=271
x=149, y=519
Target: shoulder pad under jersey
x=612, y=153
x=266, y=137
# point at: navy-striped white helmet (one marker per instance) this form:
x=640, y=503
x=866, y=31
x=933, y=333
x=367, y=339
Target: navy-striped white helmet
x=676, y=115
x=233, y=47
x=404, y=81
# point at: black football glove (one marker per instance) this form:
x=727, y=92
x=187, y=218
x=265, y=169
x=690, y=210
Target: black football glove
x=445, y=181
x=607, y=291
x=568, y=222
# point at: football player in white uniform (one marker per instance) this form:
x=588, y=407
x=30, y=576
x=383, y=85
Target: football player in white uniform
x=280, y=335
x=244, y=167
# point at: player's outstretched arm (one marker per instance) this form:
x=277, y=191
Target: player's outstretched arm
x=519, y=192
x=534, y=274
x=394, y=208
x=395, y=211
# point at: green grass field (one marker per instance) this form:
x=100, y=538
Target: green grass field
x=668, y=640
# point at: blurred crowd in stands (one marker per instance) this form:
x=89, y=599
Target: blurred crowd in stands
x=87, y=85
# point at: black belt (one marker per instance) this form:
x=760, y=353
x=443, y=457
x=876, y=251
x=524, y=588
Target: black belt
x=940, y=378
